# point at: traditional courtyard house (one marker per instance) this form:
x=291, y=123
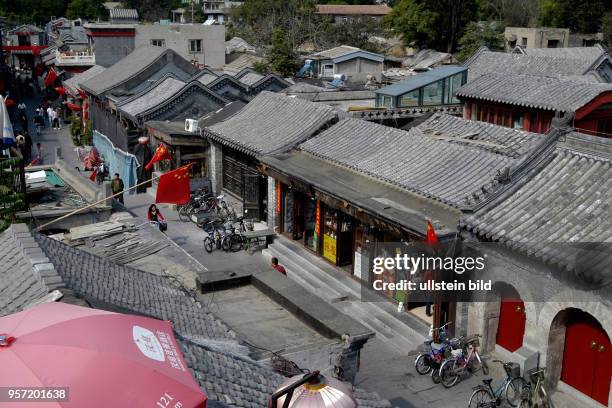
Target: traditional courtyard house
x=587, y=66
x=546, y=238
x=342, y=13
x=359, y=185
x=269, y=123
x=243, y=85
x=530, y=102
x=536, y=37
x=23, y=45
x=355, y=63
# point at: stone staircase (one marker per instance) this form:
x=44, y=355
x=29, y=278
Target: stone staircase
x=402, y=331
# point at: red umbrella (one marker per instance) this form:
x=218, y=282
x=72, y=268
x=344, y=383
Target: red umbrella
x=104, y=359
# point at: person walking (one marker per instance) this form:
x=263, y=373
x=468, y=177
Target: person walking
x=56, y=118
x=278, y=267
x=117, y=187
x=39, y=121
x=155, y=216
x=39, y=154
x=28, y=147
x=51, y=115
x=21, y=109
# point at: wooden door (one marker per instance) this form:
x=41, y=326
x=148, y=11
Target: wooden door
x=587, y=360
x=511, y=327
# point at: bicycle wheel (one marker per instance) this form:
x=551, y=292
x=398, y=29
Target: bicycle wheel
x=448, y=373
x=208, y=244
x=421, y=364
x=513, y=391
x=183, y=213
x=226, y=241
x=236, y=243
x=481, y=398
x=435, y=375
x=546, y=401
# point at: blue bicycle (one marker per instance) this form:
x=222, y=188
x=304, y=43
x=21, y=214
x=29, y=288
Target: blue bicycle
x=509, y=390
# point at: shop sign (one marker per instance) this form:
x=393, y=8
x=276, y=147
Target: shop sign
x=329, y=248
x=278, y=197
x=318, y=219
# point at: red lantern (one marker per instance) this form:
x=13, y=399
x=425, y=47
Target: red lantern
x=143, y=140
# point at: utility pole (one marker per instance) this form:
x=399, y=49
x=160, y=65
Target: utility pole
x=192, y=1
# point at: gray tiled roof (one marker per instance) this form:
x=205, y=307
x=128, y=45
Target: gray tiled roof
x=485, y=62
x=160, y=92
x=207, y=78
x=568, y=201
x=533, y=91
x=503, y=140
x=73, y=83
x=271, y=122
x=336, y=52
x=120, y=13
x=589, y=54
x=99, y=280
x=25, y=273
x=249, y=78
x=124, y=69
x=437, y=169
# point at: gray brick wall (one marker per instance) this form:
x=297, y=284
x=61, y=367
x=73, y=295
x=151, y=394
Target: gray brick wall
x=216, y=167
x=109, y=50
x=272, y=202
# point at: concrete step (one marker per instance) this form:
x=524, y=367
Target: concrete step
x=403, y=333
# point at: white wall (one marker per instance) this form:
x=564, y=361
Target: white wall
x=177, y=36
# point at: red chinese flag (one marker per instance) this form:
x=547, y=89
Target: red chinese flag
x=73, y=106
x=51, y=77
x=173, y=187
x=60, y=90
x=162, y=153
x=82, y=93
x=92, y=177
x=432, y=238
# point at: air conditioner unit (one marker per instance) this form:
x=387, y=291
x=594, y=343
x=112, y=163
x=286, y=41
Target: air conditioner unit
x=191, y=125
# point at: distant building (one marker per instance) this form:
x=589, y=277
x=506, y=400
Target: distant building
x=23, y=44
x=342, y=13
x=123, y=16
x=542, y=37
x=353, y=62
x=584, y=63
x=205, y=45
x=530, y=102
x=435, y=87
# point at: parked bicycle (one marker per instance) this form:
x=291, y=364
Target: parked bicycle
x=214, y=236
x=534, y=395
x=234, y=240
x=197, y=199
x=455, y=367
x=508, y=391
x=430, y=361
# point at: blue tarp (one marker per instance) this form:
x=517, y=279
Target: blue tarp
x=117, y=160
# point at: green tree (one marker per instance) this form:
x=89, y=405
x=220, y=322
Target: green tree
x=86, y=9
x=478, y=34
x=32, y=11
x=607, y=28
x=10, y=201
x=582, y=17
x=281, y=57
x=431, y=23
x=355, y=32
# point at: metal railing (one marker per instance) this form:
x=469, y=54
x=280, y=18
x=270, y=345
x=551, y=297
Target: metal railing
x=74, y=58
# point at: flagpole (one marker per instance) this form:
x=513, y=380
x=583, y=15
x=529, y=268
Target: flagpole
x=78, y=210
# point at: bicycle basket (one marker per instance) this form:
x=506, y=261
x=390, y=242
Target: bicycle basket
x=536, y=374
x=473, y=341
x=456, y=353
x=513, y=370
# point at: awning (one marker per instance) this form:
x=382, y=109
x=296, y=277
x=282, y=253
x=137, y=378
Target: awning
x=362, y=194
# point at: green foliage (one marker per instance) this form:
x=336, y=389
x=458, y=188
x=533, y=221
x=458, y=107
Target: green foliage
x=431, y=23
x=262, y=67
x=355, y=32
x=154, y=10
x=281, y=57
x=76, y=129
x=10, y=201
x=607, y=28
x=32, y=11
x=87, y=137
x=86, y=9
x=478, y=34
x=582, y=17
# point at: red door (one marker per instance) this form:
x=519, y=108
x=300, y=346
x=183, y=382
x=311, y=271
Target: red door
x=511, y=326
x=587, y=360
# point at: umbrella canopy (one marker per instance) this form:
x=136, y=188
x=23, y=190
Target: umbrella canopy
x=8, y=136
x=322, y=392
x=104, y=359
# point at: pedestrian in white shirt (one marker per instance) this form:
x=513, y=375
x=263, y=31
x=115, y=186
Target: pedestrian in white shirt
x=51, y=115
